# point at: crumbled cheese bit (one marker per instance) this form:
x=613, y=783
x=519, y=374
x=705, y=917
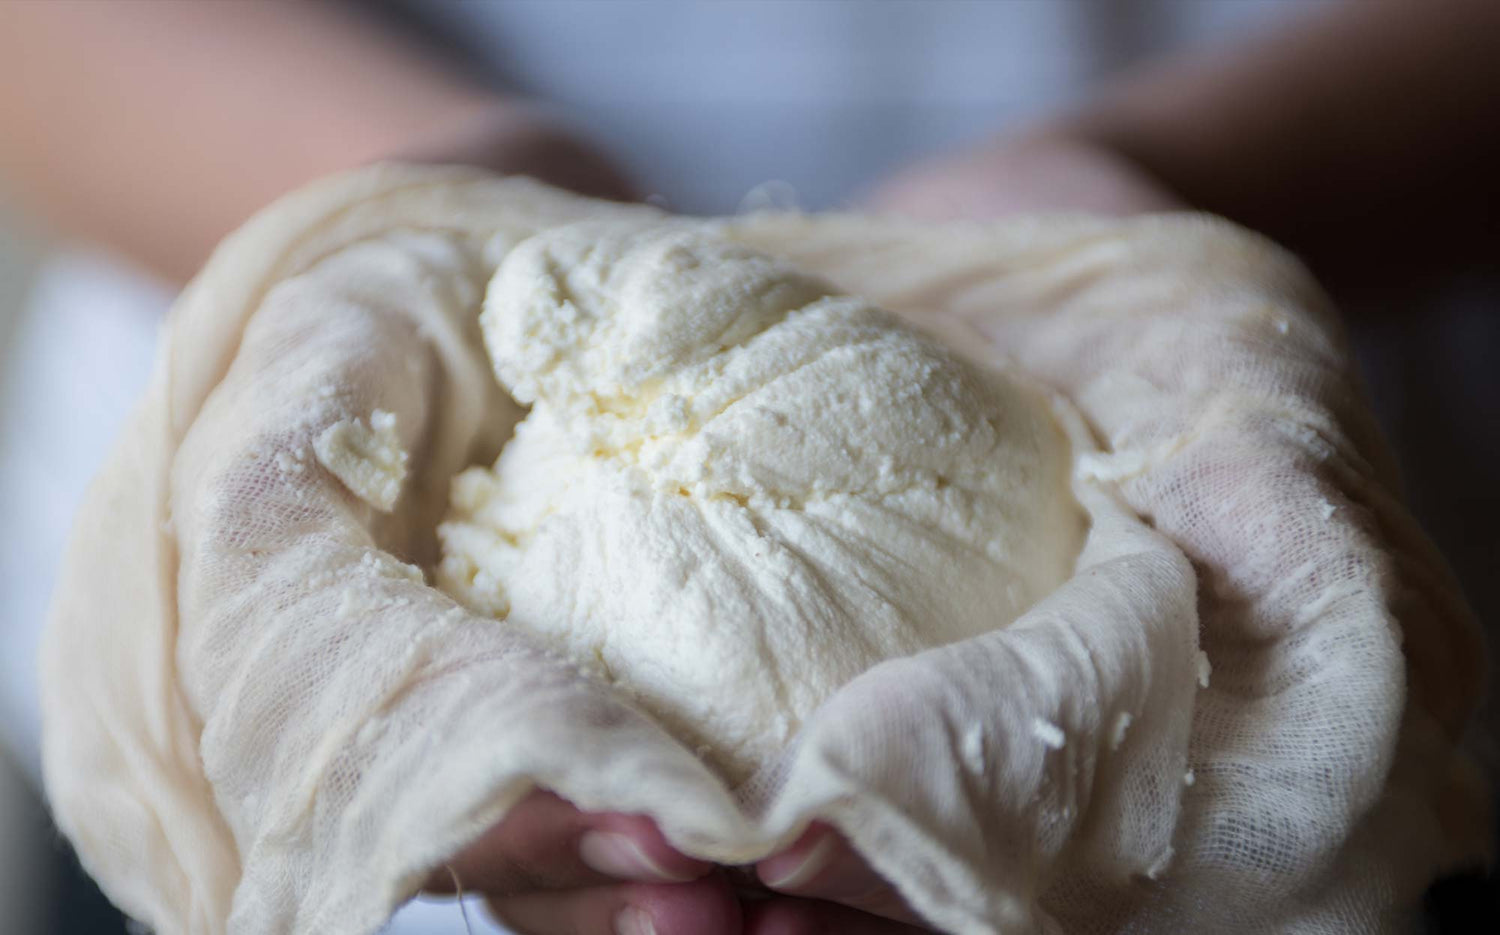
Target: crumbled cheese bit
x=289, y=462
x=1111, y=467
x=1117, y=732
x=1327, y=510
x=1205, y=669
x=1188, y=779
x=1048, y=733
x=368, y=459
x=973, y=748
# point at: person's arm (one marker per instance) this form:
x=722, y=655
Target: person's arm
x=1363, y=136
x=158, y=128
x=1367, y=132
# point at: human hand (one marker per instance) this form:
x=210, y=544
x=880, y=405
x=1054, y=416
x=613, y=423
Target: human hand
x=513, y=138
x=824, y=885
x=550, y=868
x=1042, y=171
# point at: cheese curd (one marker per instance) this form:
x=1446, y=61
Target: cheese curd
x=737, y=489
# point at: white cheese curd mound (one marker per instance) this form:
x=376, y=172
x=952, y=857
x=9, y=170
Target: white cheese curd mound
x=737, y=489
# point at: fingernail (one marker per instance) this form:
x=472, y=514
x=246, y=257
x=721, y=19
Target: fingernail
x=633, y=920
x=617, y=855
x=808, y=868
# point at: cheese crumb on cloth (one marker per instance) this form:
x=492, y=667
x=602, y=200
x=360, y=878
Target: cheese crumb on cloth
x=451, y=486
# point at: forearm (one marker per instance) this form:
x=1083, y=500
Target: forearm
x=157, y=128
x=1363, y=135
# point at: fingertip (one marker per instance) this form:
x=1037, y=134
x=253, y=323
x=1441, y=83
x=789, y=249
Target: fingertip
x=822, y=865
x=625, y=856
x=632, y=847
x=804, y=861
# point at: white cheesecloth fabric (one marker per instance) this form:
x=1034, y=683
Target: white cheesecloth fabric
x=234, y=744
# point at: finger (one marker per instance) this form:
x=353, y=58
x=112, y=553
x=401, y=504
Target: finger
x=785, y=916
x=701, y=907
x=516, y=140
x=545, y=843
x=631, y=847
x=822, y=865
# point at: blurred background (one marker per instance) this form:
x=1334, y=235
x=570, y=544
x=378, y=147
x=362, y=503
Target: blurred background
x=108, y=198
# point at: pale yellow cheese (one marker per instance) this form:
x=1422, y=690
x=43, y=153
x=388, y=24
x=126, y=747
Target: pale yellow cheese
x=737, y=489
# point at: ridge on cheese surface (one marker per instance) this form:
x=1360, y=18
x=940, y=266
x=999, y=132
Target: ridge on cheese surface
x=737, y=489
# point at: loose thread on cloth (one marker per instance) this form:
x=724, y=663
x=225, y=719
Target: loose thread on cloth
x=458, y=889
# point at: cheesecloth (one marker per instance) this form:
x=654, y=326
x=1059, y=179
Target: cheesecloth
x=260, y=718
